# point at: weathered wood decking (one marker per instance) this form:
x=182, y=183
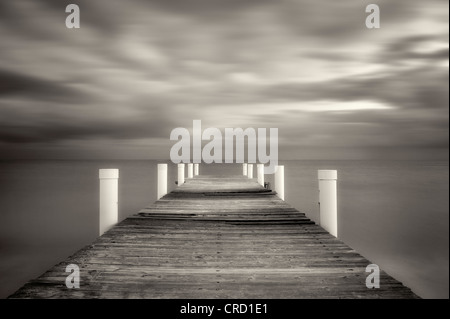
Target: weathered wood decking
x=216, y=237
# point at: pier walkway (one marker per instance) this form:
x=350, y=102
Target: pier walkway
x=216, y=237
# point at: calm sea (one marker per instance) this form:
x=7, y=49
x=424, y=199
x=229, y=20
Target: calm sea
x=396, y=214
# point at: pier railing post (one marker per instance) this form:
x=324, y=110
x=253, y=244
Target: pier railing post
x=260, y=170
x=190, y=170
x=196, y=169
x=328, y=200
x=244, y=169
x=180, y=174
x=250, y=170
x=279, y=181
x=162, y=180
x=109, y=199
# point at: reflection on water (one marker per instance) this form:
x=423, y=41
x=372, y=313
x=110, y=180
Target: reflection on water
x=393, y=213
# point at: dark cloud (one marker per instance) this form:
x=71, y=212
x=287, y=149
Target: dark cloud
x=148, y=119
x=208, y=9
x=326, y=56
x=412, y=48
x=61, y=130
x=16, y=84
x=424, y=88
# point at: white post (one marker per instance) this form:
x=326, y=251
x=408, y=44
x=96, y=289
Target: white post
x=244, y=169
x=328, y=200
x=196, y=169
x=260, y=170
x=109, y=197
x=279, y=181
x=180, y=174
x=250, y=170
x=162, y=180
x=190, y=170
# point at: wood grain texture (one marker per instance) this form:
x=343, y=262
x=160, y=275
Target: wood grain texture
x=216, y=237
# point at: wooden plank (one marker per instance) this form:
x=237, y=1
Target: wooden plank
x=216, y=237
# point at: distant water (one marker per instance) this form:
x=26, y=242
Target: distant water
x=394, y=213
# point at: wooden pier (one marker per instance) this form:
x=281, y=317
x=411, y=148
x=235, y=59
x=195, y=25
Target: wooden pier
x=216, y=237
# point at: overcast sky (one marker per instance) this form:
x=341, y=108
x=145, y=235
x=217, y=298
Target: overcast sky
x=136, y=69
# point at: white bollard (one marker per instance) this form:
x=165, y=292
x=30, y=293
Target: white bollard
x=328, y=200
x=190, y=170
x=162, y=180
x=279, y=181
x=260, y=171
x=196, y=169
x=109, y=198
x=244, y=169
x=180, y=174
x=250, y=170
